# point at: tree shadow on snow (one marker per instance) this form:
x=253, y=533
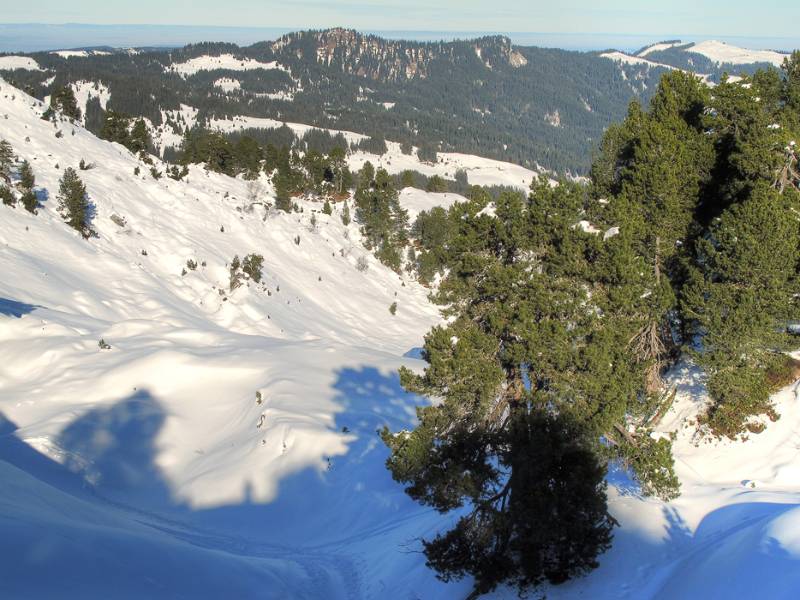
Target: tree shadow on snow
x=112, y=451
x=12, y=308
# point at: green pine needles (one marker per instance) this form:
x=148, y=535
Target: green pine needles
x=559, y=334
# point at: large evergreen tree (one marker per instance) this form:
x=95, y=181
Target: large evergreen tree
x=536, y=347
x=6, y=160
x=27, y=182
x=73, y=202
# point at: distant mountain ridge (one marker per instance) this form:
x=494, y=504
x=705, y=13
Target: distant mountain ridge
x=486, y=96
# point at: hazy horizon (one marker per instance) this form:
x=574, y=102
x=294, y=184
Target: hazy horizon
x=38, y=37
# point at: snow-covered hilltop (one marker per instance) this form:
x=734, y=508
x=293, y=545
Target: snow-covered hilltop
x=720, y=53
x=225, y=445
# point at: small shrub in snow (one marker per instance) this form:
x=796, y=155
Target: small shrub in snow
x=7, y=196
x=251, y=266
x=362, y=264
x=235, y=273
x=103, y=345
x=191, y=265
x=393, y=308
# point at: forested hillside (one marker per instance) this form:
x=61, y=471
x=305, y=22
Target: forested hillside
x=525, y=105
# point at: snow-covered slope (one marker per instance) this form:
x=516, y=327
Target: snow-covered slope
x=151, y=470
x=227, y=62
x=720, y=53
x=289, y=494
x=18, y=62
x=629, y=59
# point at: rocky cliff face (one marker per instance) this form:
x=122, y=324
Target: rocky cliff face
x=380, y=59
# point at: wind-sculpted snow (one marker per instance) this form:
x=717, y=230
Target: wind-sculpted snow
x=226, y=446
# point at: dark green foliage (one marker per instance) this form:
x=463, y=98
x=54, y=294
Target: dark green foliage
x=211, y=148
x=283, y=200
x=433, y=231
x=252, y=265
x=372, y=145
x=235, y=271
x=139, y=139
x=547, y=521
x=346, y=215
x=177, y=174
x=383, y=221
x=7, y=196
x=652, y=463
x=27, y=182
x=393, y=308
x=427, y=153
x=6, y=160
x=536, y=339
x=326, y=208
x=247, y=155
x=436, y=184
x=116, y=128
x=63, y=100
x=73, y=202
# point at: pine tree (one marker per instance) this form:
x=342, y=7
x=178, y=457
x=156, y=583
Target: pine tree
x=743, y=290
x=252, y=265
x=346, y=215
x=526, y=366
x=64, y=101
x=436, y=184
x=6, y=160
x=7, y=196
x=283, y=200
x=27, y=183
x=384, y=222
x=116, y=128
x=139, y=139
x=73, y=203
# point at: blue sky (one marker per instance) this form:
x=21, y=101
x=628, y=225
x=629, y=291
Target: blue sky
x=762, y=18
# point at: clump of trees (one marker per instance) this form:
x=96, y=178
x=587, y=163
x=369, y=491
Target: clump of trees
x=551, y=362
x=247, y=269
x=63, y=100
x=131, y=133
x=383, y=221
